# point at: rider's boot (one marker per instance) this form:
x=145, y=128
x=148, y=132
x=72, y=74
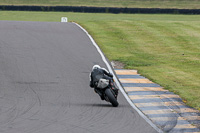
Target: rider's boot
x=100, y=94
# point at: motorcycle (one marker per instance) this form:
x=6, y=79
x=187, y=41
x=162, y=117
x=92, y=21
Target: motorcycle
x=109, y=91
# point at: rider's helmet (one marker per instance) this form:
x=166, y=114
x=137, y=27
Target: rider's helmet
x=96, y=67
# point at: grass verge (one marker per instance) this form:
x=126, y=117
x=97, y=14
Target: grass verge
x=164, y=48
x=183, y=4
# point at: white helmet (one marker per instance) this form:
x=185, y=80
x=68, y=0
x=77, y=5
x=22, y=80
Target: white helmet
x=95, y=67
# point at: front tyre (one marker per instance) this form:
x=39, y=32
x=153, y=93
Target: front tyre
x=111, y=98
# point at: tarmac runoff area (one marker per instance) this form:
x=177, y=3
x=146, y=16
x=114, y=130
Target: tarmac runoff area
x=162, y=107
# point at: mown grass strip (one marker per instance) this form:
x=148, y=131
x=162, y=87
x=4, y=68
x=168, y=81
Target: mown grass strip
x=164, y=48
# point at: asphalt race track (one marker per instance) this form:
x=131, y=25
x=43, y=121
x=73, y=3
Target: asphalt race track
x=44, y=83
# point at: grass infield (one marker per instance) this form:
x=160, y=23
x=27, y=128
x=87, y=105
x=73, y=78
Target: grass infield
x=164, y=48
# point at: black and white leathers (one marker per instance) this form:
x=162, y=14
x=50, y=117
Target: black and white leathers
x=98, y=73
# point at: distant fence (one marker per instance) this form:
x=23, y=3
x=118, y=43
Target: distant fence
x=99, y=9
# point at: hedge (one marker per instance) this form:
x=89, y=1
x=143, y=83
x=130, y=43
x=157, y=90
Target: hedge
x=99, y=9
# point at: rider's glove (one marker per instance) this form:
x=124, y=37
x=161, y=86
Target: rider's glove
x=111, y=75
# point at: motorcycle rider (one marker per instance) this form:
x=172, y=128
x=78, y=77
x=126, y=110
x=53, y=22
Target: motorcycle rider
x=97, y=74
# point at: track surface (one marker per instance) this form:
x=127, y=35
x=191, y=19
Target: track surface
x=44, y=84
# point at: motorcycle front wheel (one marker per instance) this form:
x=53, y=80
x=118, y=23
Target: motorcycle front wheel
x=111, y=98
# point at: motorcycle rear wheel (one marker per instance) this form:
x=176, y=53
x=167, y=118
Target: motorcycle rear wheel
x=111, y=98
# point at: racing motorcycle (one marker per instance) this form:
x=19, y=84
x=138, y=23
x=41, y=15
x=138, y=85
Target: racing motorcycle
x=109, y=91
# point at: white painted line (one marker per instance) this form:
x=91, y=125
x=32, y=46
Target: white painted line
x=118, y=84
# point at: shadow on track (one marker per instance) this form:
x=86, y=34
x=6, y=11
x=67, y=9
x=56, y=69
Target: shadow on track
x=99, y=105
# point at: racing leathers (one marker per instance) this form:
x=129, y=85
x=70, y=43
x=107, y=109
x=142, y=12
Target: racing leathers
x=96, y=75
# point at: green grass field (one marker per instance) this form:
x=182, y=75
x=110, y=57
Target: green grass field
x=189, y=4
x=164, y=48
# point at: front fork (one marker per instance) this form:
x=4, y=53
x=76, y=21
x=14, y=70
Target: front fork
x=114, y=90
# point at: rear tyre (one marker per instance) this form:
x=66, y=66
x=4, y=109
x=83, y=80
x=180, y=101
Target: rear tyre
x=111, y=98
